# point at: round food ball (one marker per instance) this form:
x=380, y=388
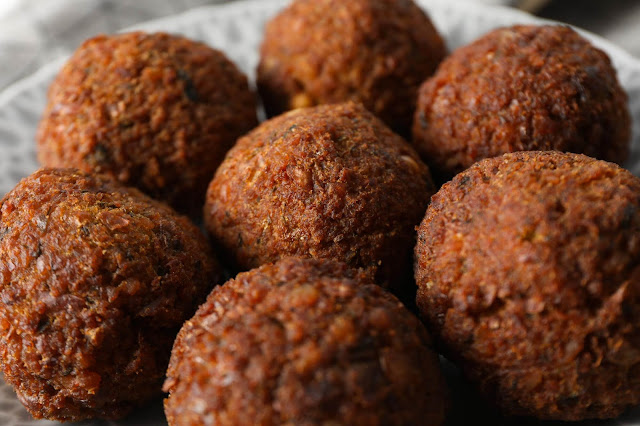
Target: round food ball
x=154, y=111
x=376, y=52
x=96, y=280
x=304, y=341
x=330, y=181
x=528, y=267
x=521, y=88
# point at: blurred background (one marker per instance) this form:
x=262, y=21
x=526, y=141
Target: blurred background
x=34, y=32
x=616, y=20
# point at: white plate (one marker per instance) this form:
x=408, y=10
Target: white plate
x=236, y=28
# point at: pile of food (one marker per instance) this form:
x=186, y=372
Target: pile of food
x=401, y=203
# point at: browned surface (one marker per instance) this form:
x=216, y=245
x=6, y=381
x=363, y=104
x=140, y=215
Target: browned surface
x=528, y=268
x=95, y=282
x=304, y=342
x=327, y=182
x=519, y=89
x=376, y=52
x=155, y=111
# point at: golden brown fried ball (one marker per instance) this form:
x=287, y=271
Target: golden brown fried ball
x=330, y=181
x=304, y=342
x=376, y=52
x=155, y=111
x=96, y=279
x=521, y=88
x=528, y=267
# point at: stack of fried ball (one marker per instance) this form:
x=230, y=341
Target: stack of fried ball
x=154, y=111
x=528, y=267
x=330, y=181
x=526, y=261
x=95, y=281
x=376, y=52
x=522, y=88
x=304, y=341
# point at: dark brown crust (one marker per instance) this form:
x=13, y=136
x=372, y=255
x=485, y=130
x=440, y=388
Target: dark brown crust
x=330, y=181
x=521, y=88
x=376, y=52
x=528, y=267
x=305, y=342
x=155, y=111
x=95, y=281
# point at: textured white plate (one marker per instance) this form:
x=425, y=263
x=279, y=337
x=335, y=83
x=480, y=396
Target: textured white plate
x=236, y=28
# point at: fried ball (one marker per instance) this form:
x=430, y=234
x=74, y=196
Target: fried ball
x=521, y=88
x=376, y=52
x=528, y=267
x=96, y=280
x=330, y=181
x=305, y=342
x=154, y=111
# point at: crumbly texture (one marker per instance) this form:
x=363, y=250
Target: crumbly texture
x=95, y=282
x=376, y=52
x=304, y=342
x=154, y=111
x=528, y=267
x=330, y=181
x=521, y=88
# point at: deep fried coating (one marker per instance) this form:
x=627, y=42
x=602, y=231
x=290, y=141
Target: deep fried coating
x=95, y=282
x=330, y=181
x=155, y=111
x=376, y=52
x=305, y=342
x=521, y=88
x=528, y=268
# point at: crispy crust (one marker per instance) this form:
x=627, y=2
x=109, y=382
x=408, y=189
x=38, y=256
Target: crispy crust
x=155, y=111
x=330, y=181
x=521, y=88
x=95, y=281
x=376, y=52
x=305, y=342
x=528, y=267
